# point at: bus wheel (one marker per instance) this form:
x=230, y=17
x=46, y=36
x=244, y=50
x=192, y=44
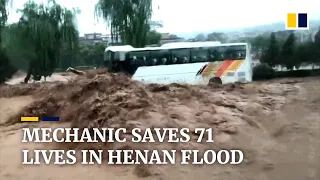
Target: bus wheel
x=215, y=81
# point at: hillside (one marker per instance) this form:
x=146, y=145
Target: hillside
x=278, y=26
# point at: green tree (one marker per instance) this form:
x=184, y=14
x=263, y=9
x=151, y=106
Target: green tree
x=3, y=14
x=308, y=52
x=85, y=53
x=270, y=54
x=259, y=43
x=287, y=53
x=127, y=19
x=69, y=58
x=153, y=37
x=92, y=54
x=98, y=52
x=303, y=53
x=316, y=49
x=39, y=38
x=317, y=38
x=6, y=68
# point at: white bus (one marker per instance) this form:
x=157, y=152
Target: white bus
x=200, y=64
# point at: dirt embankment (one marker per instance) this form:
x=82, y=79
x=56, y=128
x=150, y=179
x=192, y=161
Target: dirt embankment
x=246, y=117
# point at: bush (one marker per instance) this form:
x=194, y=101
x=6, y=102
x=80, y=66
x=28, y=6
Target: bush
x=263, y=71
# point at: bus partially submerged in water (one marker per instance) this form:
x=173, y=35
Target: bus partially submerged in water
x=189, y=63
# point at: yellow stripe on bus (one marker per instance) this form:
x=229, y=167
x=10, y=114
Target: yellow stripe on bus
x=218, y=66
x=209, y=69
x=213, y=69
x=235, y=65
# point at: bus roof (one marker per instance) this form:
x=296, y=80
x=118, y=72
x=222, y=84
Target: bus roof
x=190, y=44
x=179, y=47
x=128, y=48
x=233, y=44
x=119, y=48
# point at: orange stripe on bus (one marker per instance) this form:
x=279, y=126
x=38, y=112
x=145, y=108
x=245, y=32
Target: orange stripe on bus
x=224, y=67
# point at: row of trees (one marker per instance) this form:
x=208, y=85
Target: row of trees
x=291, y=53
x=280, y=48
x=215, y=36
x=46, y=36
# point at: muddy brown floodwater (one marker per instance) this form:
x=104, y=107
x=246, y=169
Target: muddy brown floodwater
x=275, y=123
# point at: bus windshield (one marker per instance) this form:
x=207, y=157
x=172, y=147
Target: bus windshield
x=108, y=56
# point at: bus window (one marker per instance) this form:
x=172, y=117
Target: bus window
x=140, y=57
x=153, y=61
x=161, y=56
x=131, y=59
x=143, y=57
x=216, y=54
x=199, y=55
x=180, y=56
x=235, y=52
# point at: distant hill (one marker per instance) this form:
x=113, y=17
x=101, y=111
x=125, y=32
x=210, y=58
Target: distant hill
x=278, y=26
